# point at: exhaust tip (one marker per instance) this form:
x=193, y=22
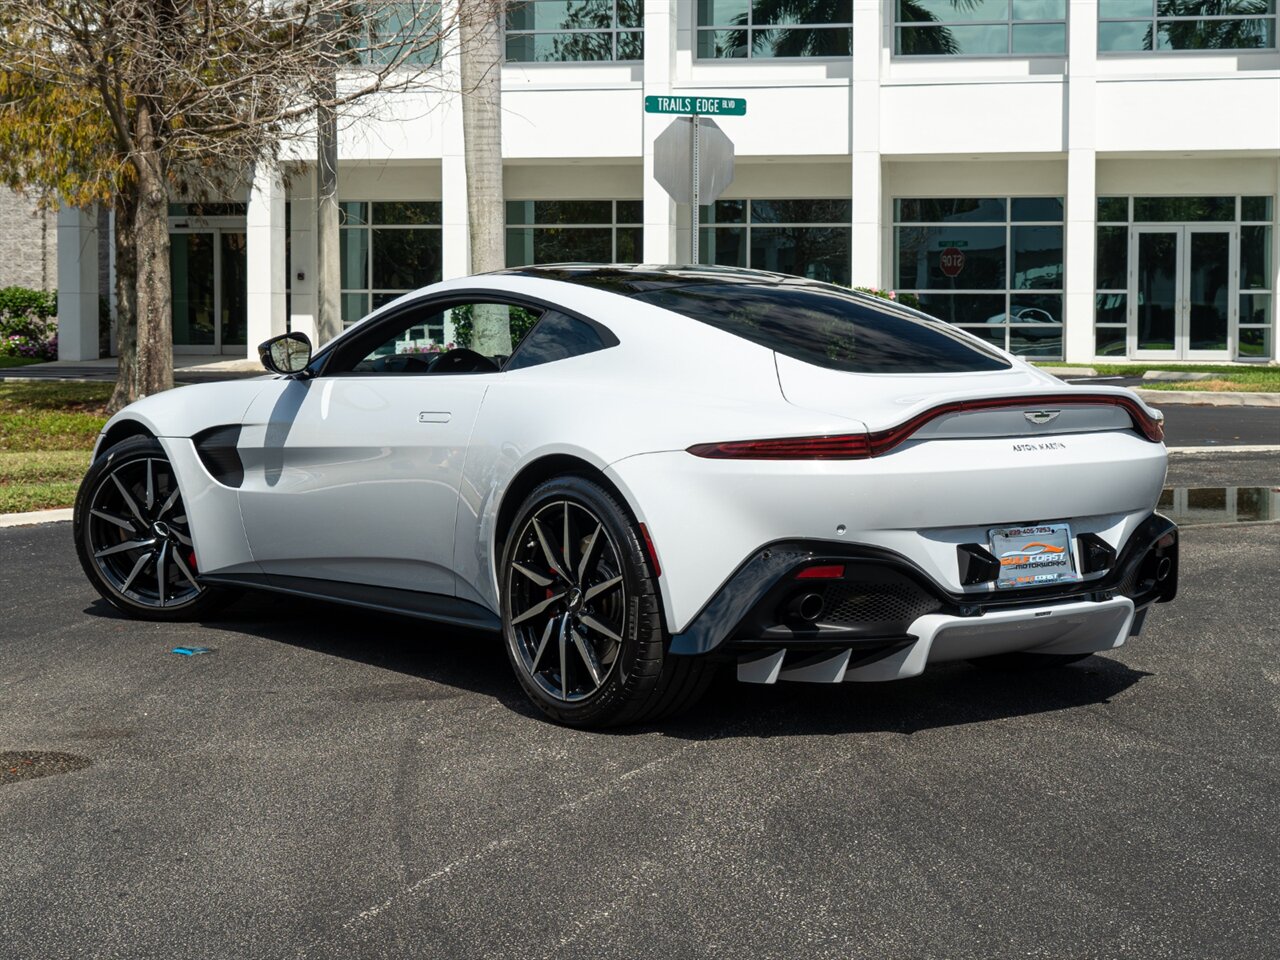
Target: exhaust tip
x=808, y=606
x=1163, y=569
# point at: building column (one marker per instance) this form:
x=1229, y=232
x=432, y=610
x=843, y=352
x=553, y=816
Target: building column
x=264, y=248
x=1082, y=183
x=865, y=190
x=77, y=284
x=302, y=255
x=455, y=230
x=662, y=242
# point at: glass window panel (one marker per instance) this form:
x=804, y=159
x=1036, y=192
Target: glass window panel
x=970, y=40
x=407, y=212
x=717, y=13
x=725, y=211
x=1254, y=344
x=559, y=47
x=519, y=211
x=1044, y=342
x=631, y=13
x=557, y=337
x=950, y=210
x=1110, y=308
x=981, y=265
x=405, y=259
x=1255, y=308
x=192, y=282
x=820, y=253
x=1109, y=342
x=1215, y=34
x=560, y=15
x=573, y=245
x=805, y=42
x=353, y=257
x=801, y=211
x=1037, y=258
x=1124, y=36
x=1166, y=209
x=382, y=298
x=773, y=12
x=1039, y=38
x=519, y=247
x=724, y=246
x=1255, y=258
x=1126, y=8
x=353, y=213
x=630, y=245
x=722, y=44
x=1113, y=209
x=1113, y=258
x=948, y=11
x=1035, y=308
x=1255, y=208
x=572, y=211
x=1037, y=208
x=630, y=211
x=631, y=45
x=1039, y=9
x=964, y=307
x=354, y=306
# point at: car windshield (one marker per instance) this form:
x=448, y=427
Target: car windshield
x=828, y=327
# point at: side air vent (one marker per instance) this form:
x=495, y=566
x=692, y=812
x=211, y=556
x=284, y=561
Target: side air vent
x=216, y=448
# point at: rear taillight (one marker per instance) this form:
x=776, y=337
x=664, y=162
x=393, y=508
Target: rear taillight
x=826, y=571
x=859, y=446
x=852, y=446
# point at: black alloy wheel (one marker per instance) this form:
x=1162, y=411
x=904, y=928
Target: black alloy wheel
x=581, y=612
x=133, y=536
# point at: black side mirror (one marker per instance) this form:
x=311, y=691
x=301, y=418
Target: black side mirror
x=288, y=353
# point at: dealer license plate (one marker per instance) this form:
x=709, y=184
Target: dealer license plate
x=1033, y=556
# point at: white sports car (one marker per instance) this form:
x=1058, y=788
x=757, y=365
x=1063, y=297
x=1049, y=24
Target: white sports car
x=642, y=472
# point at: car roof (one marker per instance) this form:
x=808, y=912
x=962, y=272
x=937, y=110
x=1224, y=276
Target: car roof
x=632, y=279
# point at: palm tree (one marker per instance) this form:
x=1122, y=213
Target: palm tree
x=481, y=53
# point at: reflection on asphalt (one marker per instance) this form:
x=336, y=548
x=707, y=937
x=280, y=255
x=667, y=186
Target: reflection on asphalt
x=1189, y=506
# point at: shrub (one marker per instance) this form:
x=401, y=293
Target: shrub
x=21, y=301
x=37, y=348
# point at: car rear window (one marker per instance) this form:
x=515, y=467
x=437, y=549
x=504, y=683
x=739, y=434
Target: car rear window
x=829, y=327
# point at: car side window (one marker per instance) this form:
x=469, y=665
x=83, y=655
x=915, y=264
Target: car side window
x=474, y=337
x=557, y=337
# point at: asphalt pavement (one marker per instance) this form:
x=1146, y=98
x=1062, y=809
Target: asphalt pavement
x=326, y=783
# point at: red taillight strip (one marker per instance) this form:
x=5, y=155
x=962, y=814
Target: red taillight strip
x=857, y=446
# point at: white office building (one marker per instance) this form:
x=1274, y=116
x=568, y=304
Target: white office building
x=1084, y=180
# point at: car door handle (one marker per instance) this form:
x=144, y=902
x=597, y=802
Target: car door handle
x=434, y=416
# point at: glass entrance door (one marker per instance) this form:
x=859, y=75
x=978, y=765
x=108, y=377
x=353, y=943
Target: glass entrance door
x=1182, y=292
x=207, y=271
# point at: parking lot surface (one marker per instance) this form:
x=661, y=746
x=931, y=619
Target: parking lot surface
x=326, y=783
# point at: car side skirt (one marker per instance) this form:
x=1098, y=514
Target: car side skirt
x=409, y=603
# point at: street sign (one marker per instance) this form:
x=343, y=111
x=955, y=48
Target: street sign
x=952, y=261
x=673, y=160
x=705, y=106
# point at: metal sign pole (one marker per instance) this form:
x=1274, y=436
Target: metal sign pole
x=697, y=200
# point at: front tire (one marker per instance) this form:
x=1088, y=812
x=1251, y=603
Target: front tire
x=581, y=613
x=133, y=537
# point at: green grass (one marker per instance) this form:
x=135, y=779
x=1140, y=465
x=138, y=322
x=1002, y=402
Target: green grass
x=1253, y=379
x=36, y=480
x=18, y=361
x=47, y=431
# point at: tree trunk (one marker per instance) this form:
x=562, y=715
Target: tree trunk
x=481, y=55
x=126, y=389
x=155, y=294
x=328, y=263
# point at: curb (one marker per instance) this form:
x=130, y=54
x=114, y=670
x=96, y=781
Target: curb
x=1206, y=398
x=34, y=517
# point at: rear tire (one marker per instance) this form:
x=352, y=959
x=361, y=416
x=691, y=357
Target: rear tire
x=1024, y=662
x=581, y=613
x=133, y=538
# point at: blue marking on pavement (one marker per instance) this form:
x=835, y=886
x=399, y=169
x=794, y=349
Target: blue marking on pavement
x=191, y=651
